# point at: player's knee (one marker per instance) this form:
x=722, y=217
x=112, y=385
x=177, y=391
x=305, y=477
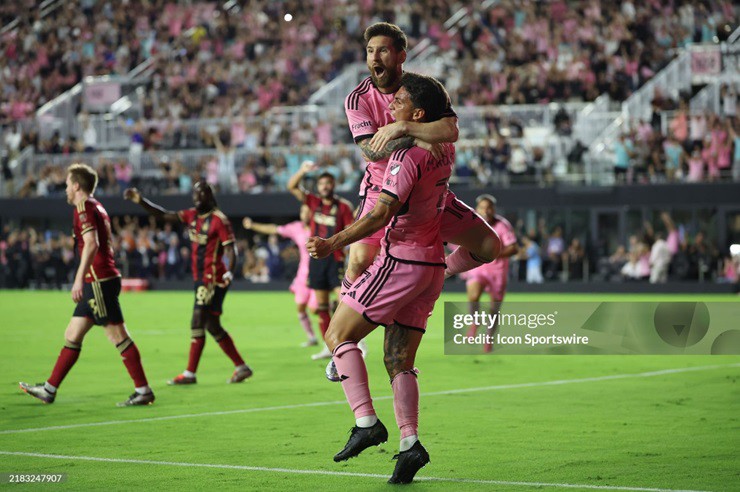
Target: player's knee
x=490, y=247
x=213, y=326
x=396, y=361
x=116, y=334
x=357, y=265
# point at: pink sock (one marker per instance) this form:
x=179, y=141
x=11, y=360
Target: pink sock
x=473, y=307
x=406, y=402
x=306, y=324
x=460, y=260
x=352, y=370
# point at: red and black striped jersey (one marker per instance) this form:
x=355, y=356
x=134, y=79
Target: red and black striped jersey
x=327, y=220
x=209, y=234
x=91, y=216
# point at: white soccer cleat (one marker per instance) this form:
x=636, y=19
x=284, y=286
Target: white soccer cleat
x=324, y=354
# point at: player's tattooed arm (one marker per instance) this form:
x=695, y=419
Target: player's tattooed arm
x=433, y=132
x=385, y=151
x=374, y=220
x=152, y=208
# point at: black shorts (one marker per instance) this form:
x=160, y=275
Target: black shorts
x=210, y=297
x=100, y=302
x=325, y=274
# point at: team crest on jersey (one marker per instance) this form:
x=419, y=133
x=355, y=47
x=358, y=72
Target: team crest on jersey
x=395, y=169
x=83, y=217
x=204, y=227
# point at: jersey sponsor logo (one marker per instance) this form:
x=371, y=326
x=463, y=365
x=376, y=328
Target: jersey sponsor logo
x=364, y=124
x=198, y=238
x=325, y=220
x=395, y=169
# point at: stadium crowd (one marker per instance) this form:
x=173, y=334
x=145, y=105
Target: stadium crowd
x=696, y=147
x=218, y=59
x=31, y=257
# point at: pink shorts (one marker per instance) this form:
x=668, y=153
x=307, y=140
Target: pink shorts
x=366, y=205
x=303, y=295
x=494, y=284
x=390, y=291
x=458, y=218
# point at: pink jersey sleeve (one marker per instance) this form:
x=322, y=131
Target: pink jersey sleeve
x=505, y=232
x=291, y=230
x=362, y=123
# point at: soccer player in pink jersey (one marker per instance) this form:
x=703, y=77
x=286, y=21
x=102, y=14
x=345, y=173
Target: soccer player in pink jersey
x=491, y=277
x=378, y=135
x=298, y=232
x=400, y=288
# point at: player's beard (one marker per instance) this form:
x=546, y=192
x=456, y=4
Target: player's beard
x=388, y=79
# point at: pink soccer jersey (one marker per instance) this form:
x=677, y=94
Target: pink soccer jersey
x=506, y=233
x=299, y=234
x=418, y=181
x=367, y=109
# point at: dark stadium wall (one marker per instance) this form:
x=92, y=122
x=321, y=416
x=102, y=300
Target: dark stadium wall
x=725, y=195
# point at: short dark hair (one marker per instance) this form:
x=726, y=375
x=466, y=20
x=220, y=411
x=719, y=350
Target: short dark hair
x=326, y=174
x=400, y=42
x=85, y=176
x=487, y=198
x=426, y=93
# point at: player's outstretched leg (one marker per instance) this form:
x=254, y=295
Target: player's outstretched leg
x=197, y=344
x=143, y=394
x=241, y=370
x=347, y=326
x=74, y=334
x=400, y=346
x=368, y=431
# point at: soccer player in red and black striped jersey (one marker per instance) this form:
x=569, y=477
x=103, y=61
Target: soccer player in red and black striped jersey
x=329, y=214
x=212, y=238
x=96, y=288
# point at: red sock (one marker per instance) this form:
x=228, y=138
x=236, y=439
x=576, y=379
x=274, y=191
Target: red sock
x=196, y=349
x=324, y=320
x=351, y=368
x=227, y=345
x=67, y=358
x=132, y=361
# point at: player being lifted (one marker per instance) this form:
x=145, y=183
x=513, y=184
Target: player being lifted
x=491, y=277
x=375, y=132
x=328, y=214
x=211, y=239
x=96, y=288
x=401, y=286
x=298, y=232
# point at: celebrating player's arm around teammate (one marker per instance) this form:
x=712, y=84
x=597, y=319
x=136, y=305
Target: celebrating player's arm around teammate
x=401, y=286
x=298, y=232
x=211, y=238
x=491, y=277
x=328, y=214
x=378, y=135
x=96, y=288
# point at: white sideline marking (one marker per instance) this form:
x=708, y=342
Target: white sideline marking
x=338, y=473
x=387, y=397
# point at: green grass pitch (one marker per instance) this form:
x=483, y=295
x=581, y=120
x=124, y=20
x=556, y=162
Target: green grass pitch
x=672, y=430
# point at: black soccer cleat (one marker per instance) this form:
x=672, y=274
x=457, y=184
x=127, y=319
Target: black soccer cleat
x=137, y=399
x=38, y=391
x=362, y=438
x=409, y=462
